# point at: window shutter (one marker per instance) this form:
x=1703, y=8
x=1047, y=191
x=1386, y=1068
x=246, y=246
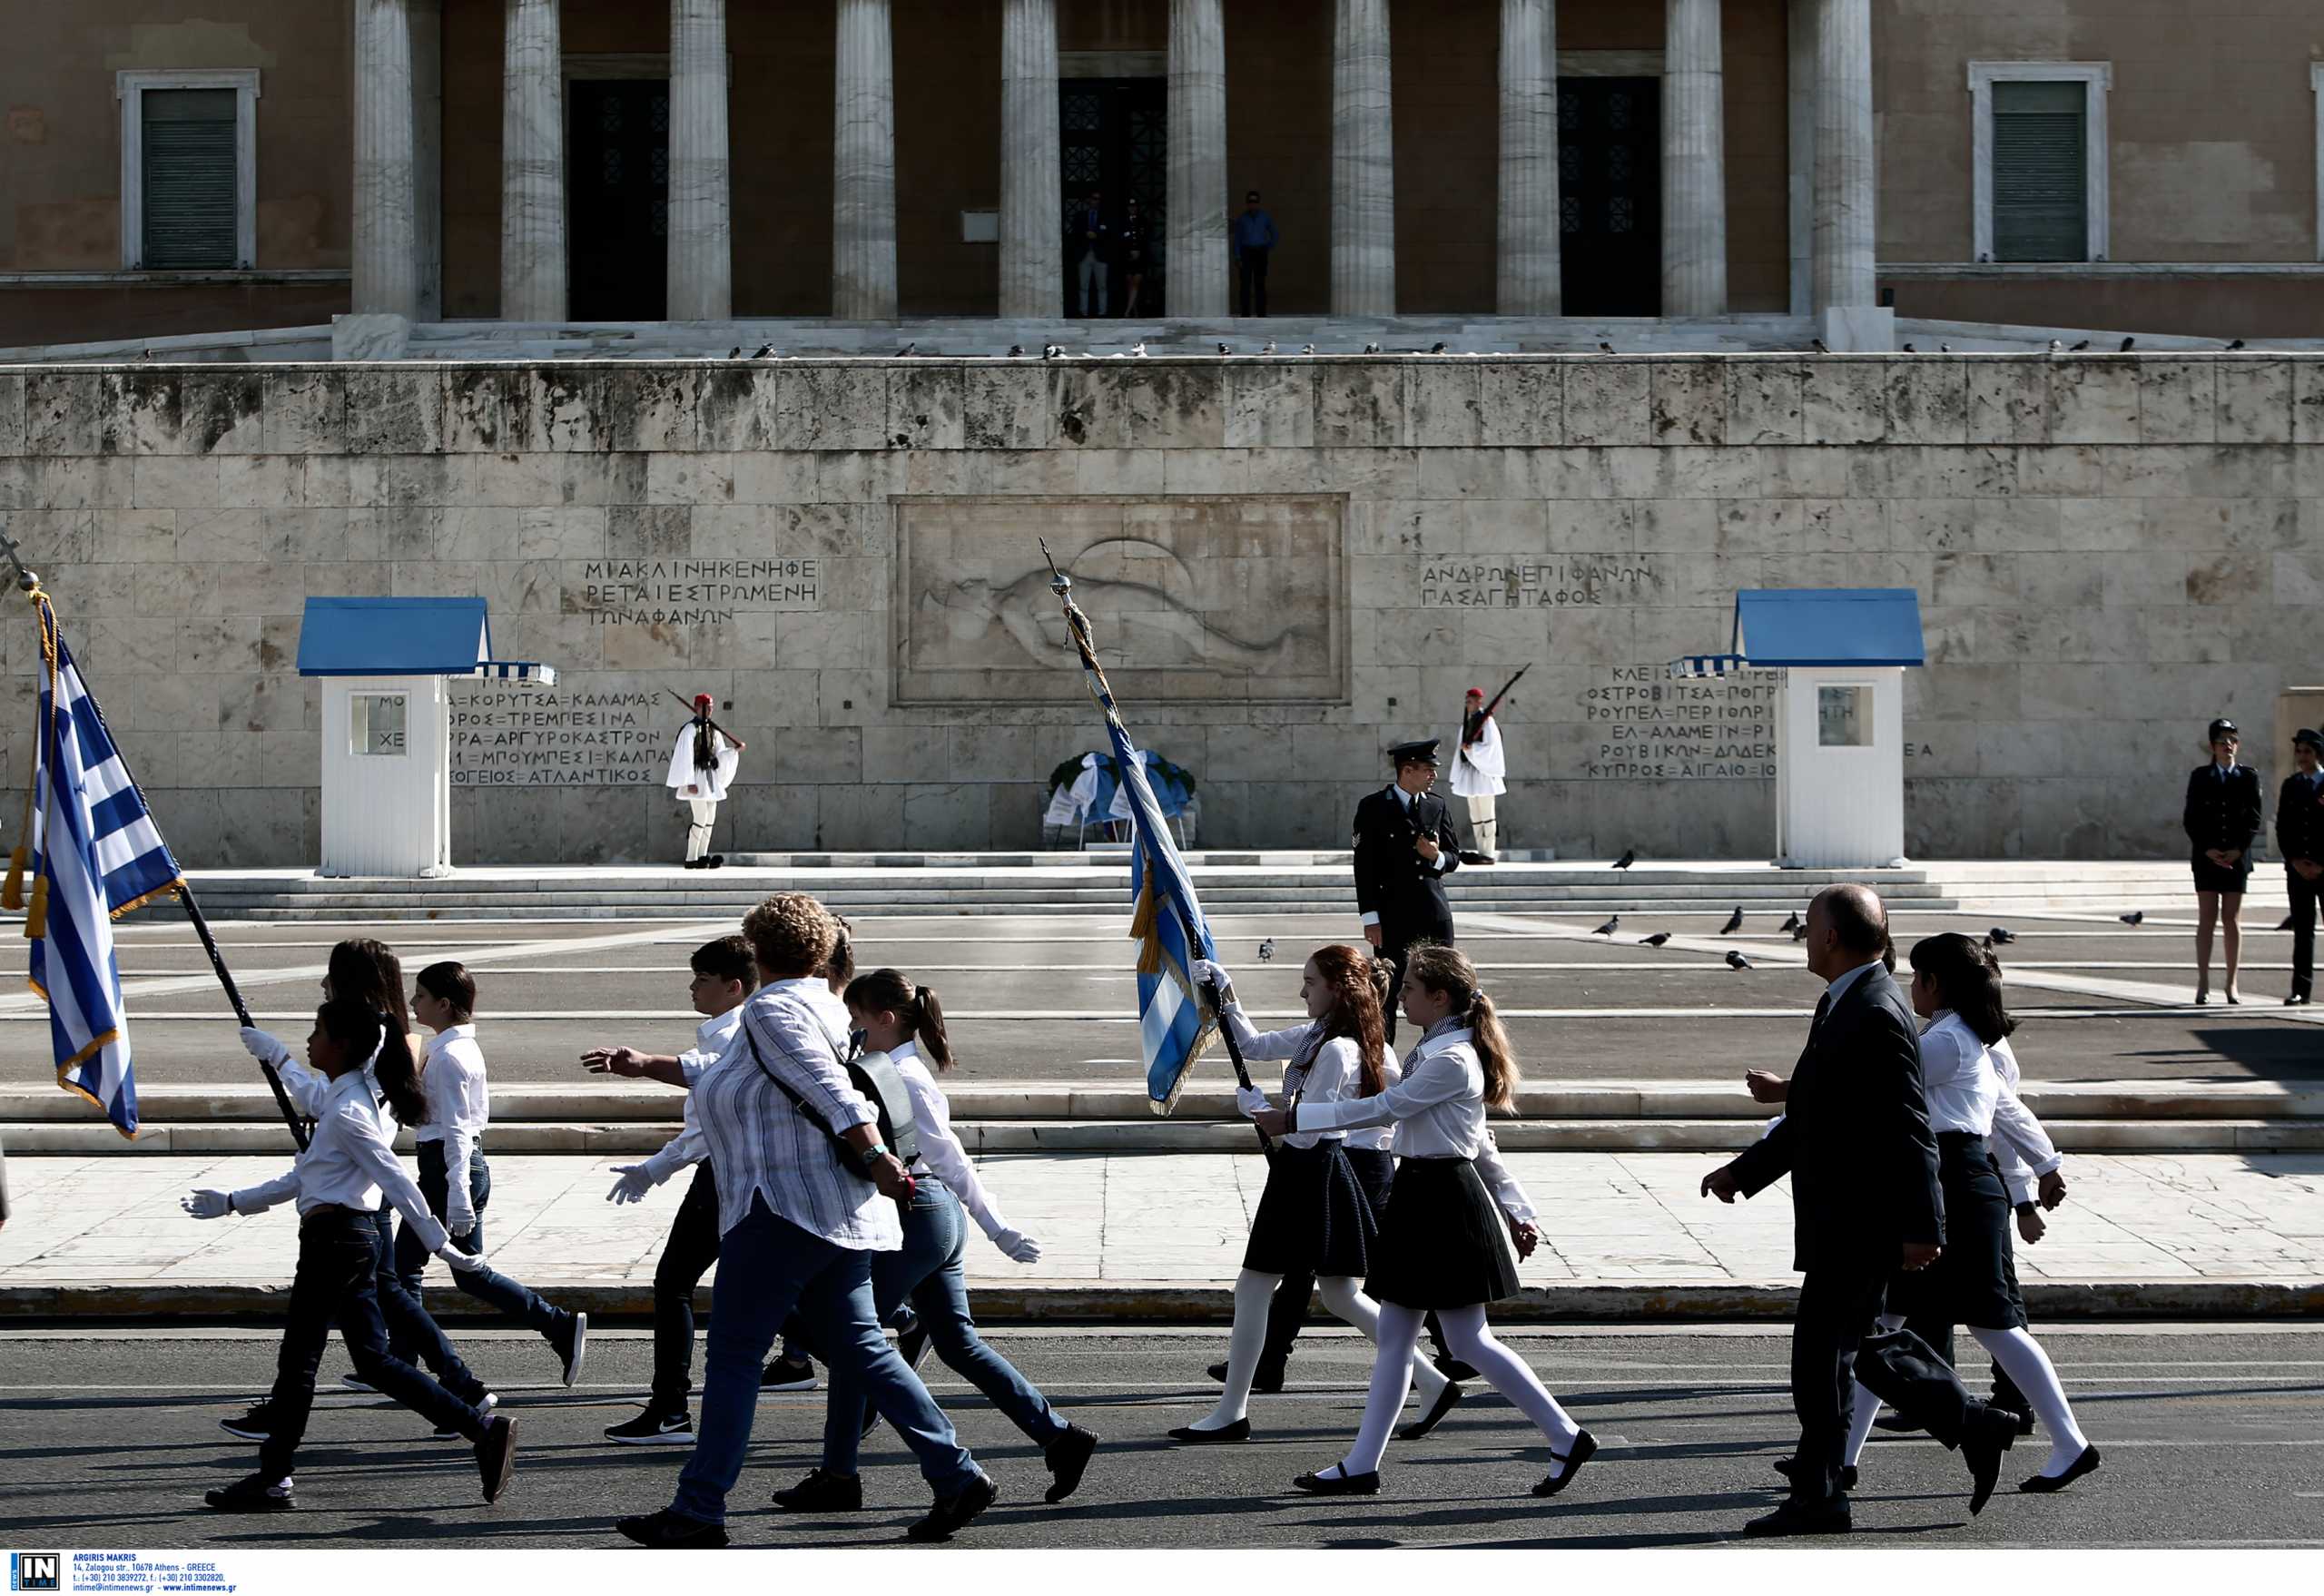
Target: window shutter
x=2040, y=171
x=192, y=175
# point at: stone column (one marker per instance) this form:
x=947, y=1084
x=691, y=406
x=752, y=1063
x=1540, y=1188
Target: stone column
x=1844, y=154
x=1694, y=161
x=1032, y=217
x=1527, y=282
x=532, y=162
x=1195, y=255
x=1364, y=177
x=863, y=167
x=428, y=154
x=701, y=239
x=1799, y=100
x=386, y=246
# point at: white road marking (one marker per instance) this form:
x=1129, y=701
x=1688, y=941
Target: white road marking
x=1085, y=1016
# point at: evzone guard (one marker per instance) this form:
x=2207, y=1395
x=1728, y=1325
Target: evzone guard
x=702, y=768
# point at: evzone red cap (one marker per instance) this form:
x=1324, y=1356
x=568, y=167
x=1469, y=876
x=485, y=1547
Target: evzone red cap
x=701, y=698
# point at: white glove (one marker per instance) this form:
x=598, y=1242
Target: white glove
x=207, y=1204
x=1018, y=1245
x=460, y=1224
x=1207, y=973
x=264, y=1048
x=636, y=1180
x=1252, y=1101
x=466, y=1261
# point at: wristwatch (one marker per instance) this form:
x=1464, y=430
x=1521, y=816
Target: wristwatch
x=872, y=1155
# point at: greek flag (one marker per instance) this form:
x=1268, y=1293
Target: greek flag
x=1170, y=933
x=94, y=853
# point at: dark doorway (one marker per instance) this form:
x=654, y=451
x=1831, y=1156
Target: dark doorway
x=1113, y=139
x=617, y=198
x=1610, y=189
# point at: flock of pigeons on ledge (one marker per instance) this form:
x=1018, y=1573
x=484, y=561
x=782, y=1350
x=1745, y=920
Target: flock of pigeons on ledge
x=1058, y=351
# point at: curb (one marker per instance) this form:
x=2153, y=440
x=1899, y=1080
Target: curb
x=1185, y=1301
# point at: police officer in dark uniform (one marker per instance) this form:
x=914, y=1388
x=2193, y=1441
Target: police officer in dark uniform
x=2221, y=819
x=1404, y=848
x=2300, y=838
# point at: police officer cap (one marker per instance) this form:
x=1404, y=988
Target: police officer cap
x=1421, y=753
x=2313, y=739
x=2223, y=727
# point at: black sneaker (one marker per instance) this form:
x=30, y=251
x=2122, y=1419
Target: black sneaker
x=788, y=1373
x=823, y=1492
x=1067, y=1457
x=484, y=1404
x=496, y=1457
x=254, y=1425
x=672, y=1530
x=251, y=1494
x=654, y=1429
x=952, y=1513
x=574, y=1348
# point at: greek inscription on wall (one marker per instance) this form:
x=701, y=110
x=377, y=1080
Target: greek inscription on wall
x=688, y=593
x=505, y=737
x=1644, y=725
x=1470, y=581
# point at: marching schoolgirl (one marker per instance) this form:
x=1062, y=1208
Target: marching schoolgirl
x=338, y=1182
x=1957, y=988
x=906, y=1022
x=1444, y=1243
x=1314, y=1217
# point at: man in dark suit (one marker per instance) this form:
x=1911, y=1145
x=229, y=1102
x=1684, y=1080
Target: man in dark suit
x=1404, y=848
x=1856, y=1141
x=2300, y=838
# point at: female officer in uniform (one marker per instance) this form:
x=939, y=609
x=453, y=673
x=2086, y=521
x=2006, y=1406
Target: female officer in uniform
x=2221, y=818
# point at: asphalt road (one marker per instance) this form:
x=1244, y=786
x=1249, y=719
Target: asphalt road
x=2213, y=1436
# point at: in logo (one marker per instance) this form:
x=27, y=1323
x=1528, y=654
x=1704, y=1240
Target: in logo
x=35, y=1570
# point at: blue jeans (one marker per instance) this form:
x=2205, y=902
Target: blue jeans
x=928, y=1272
x=766, y=1266
x=512, y=1297
x=410, y=1327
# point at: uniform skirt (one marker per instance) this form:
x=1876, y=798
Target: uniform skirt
x=1313, y=1217
x=1442, y=1243
x=1974, y=1281
x=1375, y=1172
x=2213, y=878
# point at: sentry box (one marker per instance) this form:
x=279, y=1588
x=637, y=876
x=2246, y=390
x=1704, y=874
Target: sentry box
x=386, y=665
x=1839, y=655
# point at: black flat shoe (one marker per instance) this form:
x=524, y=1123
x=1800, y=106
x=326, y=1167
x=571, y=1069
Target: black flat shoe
x=823, y=1492
x=952, y=1513
x=1584, y=1448
x=1787, y=1465
x=1188, y=1435
x=1791, y=1518
x=2049, y=1485
x=1266, y=1381
x=670, y=1530
x=1434, y=1416
x=1067, y=1457
x=1342, y=1484
x=249, y=1494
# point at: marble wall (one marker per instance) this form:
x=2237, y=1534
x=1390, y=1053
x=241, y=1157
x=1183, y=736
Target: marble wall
x=1301, y=562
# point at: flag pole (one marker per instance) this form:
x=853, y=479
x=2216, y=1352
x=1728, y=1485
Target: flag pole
x=28, y=582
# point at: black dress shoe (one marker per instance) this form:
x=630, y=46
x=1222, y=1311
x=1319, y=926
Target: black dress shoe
x=1792, y=1519
x=1266, y=1380
x=1188, y=1435
x=953, y=1513
x=1067, y=1457
x=671, y=1531
x=1988, y=1435
x=2019, y=1416
x=1786, y=1466
x=1895, y=1423
x=1340, y=1484
x=251, y=1495
x=823, y=1491
x=1434, y=1416
x=1584, y=1448
x=2048, y=1484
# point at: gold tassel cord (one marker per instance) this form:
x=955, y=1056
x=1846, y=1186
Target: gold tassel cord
x=13, y=895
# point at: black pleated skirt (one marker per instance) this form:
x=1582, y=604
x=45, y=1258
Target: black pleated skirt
x=1975, y=1281
x=1375, y=1172
x=1442, y=1241
x=1313, y=1217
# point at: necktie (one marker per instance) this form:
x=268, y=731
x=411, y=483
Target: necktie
x=1823, y=1006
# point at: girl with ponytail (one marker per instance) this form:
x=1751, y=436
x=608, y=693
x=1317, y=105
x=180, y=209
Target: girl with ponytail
x=902, y=1019
x=1444, y=1244
x=1315, y=1218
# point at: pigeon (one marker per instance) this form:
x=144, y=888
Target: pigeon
x=1267, y=950
x=1608, y=929
x=1139, y=348
x=1052, y=351
x=1016, y=351
x=1911, y=351
x=1736, y=960
x=735, y=353
x=1734, y=922
x=2080, y=347
x=2135, y=917
x=1224, y=351
x=763, y=350
x=1629, y=858
x=1372, y=348
x=1799, y=931
x=1945, y=348
x=2000, y=936
x=1437, y=348
x=1306, y=348
x=1656, y=940
x=2236, y=345
x=1819, y=346
x=2057, y=346
x=2129, y=344
x=1792, y=923
x=1267, y=348
x=1604, y=347
x=906, y=351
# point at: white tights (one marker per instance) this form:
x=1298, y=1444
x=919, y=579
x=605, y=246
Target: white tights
x=1466, y=1337
x=1254, y=1297
x=2020, y=1357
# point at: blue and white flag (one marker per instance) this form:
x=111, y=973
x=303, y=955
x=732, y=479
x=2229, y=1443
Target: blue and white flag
x=94, y=853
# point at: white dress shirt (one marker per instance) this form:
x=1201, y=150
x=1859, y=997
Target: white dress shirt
x=1443, y=858
x=349, y=1163
x=459, y=1103
x=1438, y=1109
x=760, y=1145
x=1968, y=1090
x=713, y=1039
x=1332, y=1070
x=1378, y=1138
x=1841, y=983
x=940, y=1152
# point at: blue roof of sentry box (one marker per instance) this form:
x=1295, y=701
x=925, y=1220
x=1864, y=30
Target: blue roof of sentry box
x=394, y=638
x=1830, y=626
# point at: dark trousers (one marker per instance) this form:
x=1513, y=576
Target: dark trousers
x=1251, y=267
x=686, y=1258
x=2303, y=896
x=338, y=1262
x=1939, y=1337
x=1834, y=1345
x=408, y=1325
x=486, y=1285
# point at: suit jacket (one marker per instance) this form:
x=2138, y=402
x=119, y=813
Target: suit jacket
x=2222, y=813
x=2299, y=820
x=1392, y=880
x=1855, y=1137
